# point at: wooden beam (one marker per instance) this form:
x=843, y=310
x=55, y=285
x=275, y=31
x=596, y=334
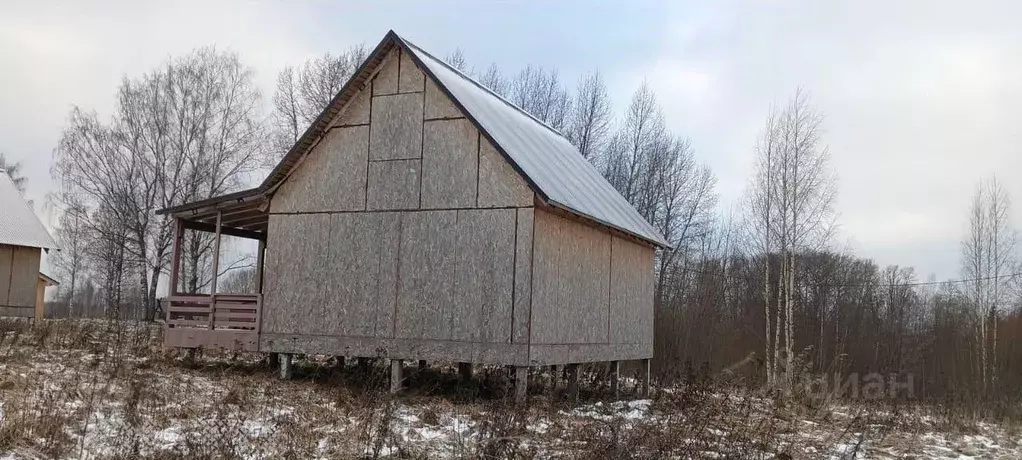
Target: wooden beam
x=175, y=265
x=231, y=216
x=260, y=259
x=203, y=227
x=216, y=268
x=242, y=222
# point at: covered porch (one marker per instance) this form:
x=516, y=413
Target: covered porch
x=229, y=320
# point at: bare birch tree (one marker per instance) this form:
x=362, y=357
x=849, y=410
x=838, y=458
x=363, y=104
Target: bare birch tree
x=988, y=256
x=540, y=92
x=791, y=200
x=759, y=208
x=457, y=60
x=590, y=118
x=189, y=130
x=73, y=233
x=13, y=170
x=494, y=80
x=304, y=91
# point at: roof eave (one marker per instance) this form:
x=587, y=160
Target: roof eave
x=662, y=244
x=232, y=198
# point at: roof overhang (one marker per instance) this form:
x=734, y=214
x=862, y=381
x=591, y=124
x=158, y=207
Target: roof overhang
x=246, y=212
x=46, y=279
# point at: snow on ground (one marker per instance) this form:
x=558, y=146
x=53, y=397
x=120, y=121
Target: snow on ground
x=62, y=396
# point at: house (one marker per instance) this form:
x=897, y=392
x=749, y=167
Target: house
x=23, y=238
x=423, y=217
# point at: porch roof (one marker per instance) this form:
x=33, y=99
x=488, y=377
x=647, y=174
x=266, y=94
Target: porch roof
x=244, y=214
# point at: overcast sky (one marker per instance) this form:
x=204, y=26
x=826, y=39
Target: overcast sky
x=922, y=99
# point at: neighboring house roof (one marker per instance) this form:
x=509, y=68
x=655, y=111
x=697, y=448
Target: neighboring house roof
x=552, y=166
x=49, y=281
x=19, y=225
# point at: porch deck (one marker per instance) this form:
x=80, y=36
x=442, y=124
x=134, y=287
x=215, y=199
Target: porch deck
x=228, y=321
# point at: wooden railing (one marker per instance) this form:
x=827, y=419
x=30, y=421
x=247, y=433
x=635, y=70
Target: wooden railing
x=239, y=312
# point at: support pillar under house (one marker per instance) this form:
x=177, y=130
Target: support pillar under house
x=572, y=370
x=521, y=383
x=286, y=366
x=395, y=375
x=645, y=377
x=615, y=378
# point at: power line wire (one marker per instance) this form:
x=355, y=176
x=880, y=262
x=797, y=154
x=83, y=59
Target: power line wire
x=878, y=285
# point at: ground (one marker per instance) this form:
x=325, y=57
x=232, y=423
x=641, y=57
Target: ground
x=100, y=390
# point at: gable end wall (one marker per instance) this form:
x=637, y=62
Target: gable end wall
x=402, y=230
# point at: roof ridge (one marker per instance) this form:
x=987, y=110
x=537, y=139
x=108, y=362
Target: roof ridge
x=482, y=86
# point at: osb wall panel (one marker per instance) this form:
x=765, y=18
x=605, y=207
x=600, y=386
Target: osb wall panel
x=393, y=185
x=499, y=184
x=385, y=81
x=425, y=288
x=449, y=164
x=389, y=234
x=484, y=276
x=332, y=177
x=438, y=105
x=354, y=263
x=631, y=293
x=297, y=249
x=396, y=127
x=456, y=275
x=410, y=78
x=6, y=263
x=357, y=111
x=523, y=275
x=570, y=282
x=24, y=277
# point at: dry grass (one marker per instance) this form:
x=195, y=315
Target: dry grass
x=92, y=389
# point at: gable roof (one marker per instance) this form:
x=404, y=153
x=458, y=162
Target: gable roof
x=548, y=162
x=19, y=225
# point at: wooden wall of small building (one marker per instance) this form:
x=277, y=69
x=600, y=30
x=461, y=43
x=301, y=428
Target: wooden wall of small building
x=19, y=272
x=403, y=232
x=592, y=294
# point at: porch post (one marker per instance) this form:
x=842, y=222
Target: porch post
x=216, y=251
x=259, y=266
x=175, y=265
x=216, y=269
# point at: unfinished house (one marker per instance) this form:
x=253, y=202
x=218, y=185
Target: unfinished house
x=23, y=238
x=423, y=217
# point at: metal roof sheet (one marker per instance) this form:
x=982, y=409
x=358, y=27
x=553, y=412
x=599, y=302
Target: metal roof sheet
x=549, y=162
x=19, y=225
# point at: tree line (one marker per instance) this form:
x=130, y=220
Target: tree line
x=759, y=291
